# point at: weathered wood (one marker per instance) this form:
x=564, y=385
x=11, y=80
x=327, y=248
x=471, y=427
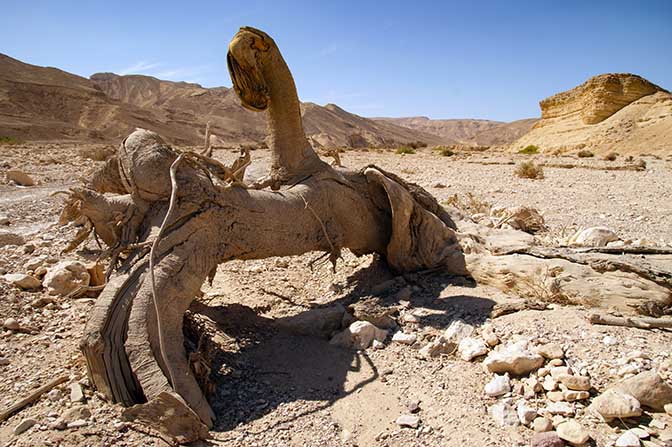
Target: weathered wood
x=636, y=322
x=32, y=397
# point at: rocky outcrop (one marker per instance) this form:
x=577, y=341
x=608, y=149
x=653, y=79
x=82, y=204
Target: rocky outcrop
x=598, y=98
x=619, y=112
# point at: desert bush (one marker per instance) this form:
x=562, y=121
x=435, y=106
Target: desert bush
x=416, y=144
x=8, y=140
x=470, y=204
x=529, y=150
x=528, y=169
x=97, y=153
x=444, y=151
x=585, y=154
x=404, y=150
x=611, y=156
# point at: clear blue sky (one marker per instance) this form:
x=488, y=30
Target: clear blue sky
x=443, y=59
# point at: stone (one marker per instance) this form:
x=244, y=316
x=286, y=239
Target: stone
x=526, y=414
x=471, y=348
x=447, y=342
x=408, y=420
x=73, y=414
x=35, y=262
x=504, y=415
x=4, y=361
x=640, y=432
x=542, y=424
x=54, y=395
x=320, y=322
x=11, y=324
x=614, y=404
x=549, y=383
x=514, y=359
x=413, y=405
x=19, y=177
x=555, y=362
x=555, y=396
x=571, y=395
x=668, y=409
x=78, y=424
x=576, y=383
x=488, y=334
x=4, y=220
x=546, y=439
x=550, y=351
x=359, y=335
x=628, y=439
x=498, y=386
x=404, y=339
x=76, y=392
x=66, y=277
x=561, y=408
x=594, y=237
x=559, y=371
x=609, y=340
x=573, y=432
x=648, y=388
x=371, y=310
x=24, y=425
x=523, y=218
x=25, y=282
x=10, y=238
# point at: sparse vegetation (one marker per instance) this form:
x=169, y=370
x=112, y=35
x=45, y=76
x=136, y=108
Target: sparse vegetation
x=611, y=156
x=416, y=144
x=470, y=203
x=444, y=151
x=528, y=169
x=529, y=150
x=8, y=140
x=585, y=154
x=405, y=150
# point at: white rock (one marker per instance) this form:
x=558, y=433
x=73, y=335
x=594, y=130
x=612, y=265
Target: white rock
x=359, y=335
x=488, y=334
x=559, y=371
x=11, y=324
x=594, y=237
x=609, y=340
x=628, y=439
x=514, y=359
x=66, y=277
x=458, y=330
x=525, y=414
x=504, y=415
x=408, y=420
x=375, y=344
x=573, y=432
x=498, y=386
x=25, y=282
x=76, y=392
x=614, y=404
x=470, y=348
x=447, y=342
x=24, y=425
x=405, y=339
x=561, y=408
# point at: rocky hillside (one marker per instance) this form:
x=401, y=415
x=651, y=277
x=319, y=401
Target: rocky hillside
x=38, y=103
x=467, y=131
x=610, y=112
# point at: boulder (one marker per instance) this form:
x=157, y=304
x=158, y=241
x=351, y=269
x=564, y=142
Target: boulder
x=614, y=404
x=594, y=237
x=66, y=277
x=648, y=388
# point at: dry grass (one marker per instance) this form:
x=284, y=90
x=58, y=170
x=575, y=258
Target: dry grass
x=470, y=204
x=528, y=169
x=444, y=151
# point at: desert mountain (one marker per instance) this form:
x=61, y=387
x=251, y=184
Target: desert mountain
x=42, y=103
x=610, y=112
x=467, y=131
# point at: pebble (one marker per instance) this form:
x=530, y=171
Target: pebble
x=546, y=439
x=498, y=386
x=11, y=324
x=25, y=282
x=573, y=432
x=19, y=177
x=470, y=348
x=54, y=395
x=576, y=383
x=408, y=420
x=24, y=425
x=628, y=439
x=550, y=351
x=668, y=409
x=9, y=238
x=504, y=415
x=488, y=334
x=561, y=408
x=76, y=393
x=609, y=340
x=404, y=339
x=555, y=396
x=615, y=404
x=571, y=395
x=542, y=424
x=4, y=361
x=525, y=414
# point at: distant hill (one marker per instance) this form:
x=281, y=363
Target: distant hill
x=618, y=112
x=467, y=131
x=39, y=103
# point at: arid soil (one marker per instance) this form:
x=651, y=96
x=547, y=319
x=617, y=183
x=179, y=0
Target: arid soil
x=271, y=386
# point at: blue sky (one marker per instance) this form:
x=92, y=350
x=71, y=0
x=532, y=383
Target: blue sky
x=443, y=59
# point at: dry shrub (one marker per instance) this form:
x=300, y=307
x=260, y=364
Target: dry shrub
x=404, y=150
x=611, y=156
x=416, y=144
x=528, y=169
x=444, y=151
x=96, y=153
x=470, y=204
x=585, y=154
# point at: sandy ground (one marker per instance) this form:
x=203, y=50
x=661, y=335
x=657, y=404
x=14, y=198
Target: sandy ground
x=274, y=388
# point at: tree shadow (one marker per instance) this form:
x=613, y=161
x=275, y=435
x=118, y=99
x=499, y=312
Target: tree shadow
x=263, y=365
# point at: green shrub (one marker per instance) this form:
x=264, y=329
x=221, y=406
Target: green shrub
x=444, y=151
x=529, y=150
x=585, y=154
x=528, y=169
x=403, y=150
x=9, y=140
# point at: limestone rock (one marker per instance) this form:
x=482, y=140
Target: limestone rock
x=526, y=414
x=542, y=424
x=408, y=420
x=25, y=282
x=76, y=393
x=488, y=334
x=498, y=386
x=504, y=415
x=404, y=339
x=576, y=383
x=571, y=395
x=19, y=177
x=24, y=425
x=359, y=335
x=561, y=408
x=546, y=439
x=514, y=359
x=573, y=432
x=628, y=439
x=79, y=412
x=10, y=238
x=448, y=342
x=550, y=351
x=615, y=404
x=648, y=388
x=66, y=277
x=470, y=348
x=594, y=237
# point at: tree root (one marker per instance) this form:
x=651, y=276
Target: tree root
x=636, y=322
